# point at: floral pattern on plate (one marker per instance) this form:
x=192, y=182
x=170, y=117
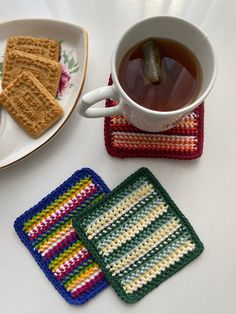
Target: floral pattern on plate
x=69, y=67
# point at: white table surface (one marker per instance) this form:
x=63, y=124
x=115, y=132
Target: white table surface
x=203, y=189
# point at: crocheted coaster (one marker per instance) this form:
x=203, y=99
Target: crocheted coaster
x=185, y=141
x=46, y=230
x=138, y=236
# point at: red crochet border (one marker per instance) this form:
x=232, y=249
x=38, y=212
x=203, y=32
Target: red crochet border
x=126, y=153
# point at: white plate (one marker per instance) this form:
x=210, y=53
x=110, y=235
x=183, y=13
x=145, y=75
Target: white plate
x=15, y=144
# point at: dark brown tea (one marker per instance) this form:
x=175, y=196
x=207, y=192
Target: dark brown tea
x=177, y=84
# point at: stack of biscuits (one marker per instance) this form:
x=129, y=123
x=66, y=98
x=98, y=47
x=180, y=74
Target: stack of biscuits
x=31, y=75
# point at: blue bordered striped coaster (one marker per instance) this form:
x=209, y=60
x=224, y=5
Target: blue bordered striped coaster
x=46, y=230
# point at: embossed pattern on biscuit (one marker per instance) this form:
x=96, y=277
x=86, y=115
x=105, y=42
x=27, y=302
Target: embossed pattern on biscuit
x=30, y=104
x=44, y=47
x=48, y=72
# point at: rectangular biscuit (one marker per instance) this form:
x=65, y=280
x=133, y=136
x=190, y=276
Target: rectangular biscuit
x=30, y=104
x=48, y=72
x=44, y=47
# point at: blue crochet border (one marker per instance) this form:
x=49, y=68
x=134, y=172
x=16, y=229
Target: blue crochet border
x=19, y=223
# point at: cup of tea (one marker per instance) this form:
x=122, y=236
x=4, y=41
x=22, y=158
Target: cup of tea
x=162, y=68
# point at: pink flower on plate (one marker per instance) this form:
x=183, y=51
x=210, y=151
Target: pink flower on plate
x=64, y=80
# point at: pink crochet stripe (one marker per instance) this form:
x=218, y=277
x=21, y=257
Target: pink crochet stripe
x=64, y=243
x=69, y=265
x=88, y=284
x=61, y=213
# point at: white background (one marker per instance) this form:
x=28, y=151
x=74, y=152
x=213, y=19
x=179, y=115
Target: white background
x=204, y=189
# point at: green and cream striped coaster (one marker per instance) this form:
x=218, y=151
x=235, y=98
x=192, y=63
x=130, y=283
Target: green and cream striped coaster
x=138, y=236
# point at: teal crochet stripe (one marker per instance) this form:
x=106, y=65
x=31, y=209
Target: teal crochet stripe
x=138, y=236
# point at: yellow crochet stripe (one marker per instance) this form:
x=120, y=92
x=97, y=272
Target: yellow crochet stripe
x=145, y=246
x=145, y=221
x=57, y=236
x=118, y=210
x=80, y=278
x=66, y=255
x=49, y=210
x=160, y=266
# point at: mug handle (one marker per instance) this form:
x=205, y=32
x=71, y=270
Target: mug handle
x=91, y=98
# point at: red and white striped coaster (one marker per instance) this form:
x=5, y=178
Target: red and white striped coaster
x=184, y=141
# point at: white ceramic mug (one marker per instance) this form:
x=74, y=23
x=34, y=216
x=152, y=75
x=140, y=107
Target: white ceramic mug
x=149, y=120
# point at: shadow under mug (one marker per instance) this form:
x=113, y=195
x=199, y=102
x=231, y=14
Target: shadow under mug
x=149, y=120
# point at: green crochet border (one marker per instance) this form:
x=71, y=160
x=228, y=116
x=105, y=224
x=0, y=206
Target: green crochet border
x=140, y=293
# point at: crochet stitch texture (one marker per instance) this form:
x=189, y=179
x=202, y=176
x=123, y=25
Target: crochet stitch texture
x=46, y=230
x=184, y=141
x=138, y=236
